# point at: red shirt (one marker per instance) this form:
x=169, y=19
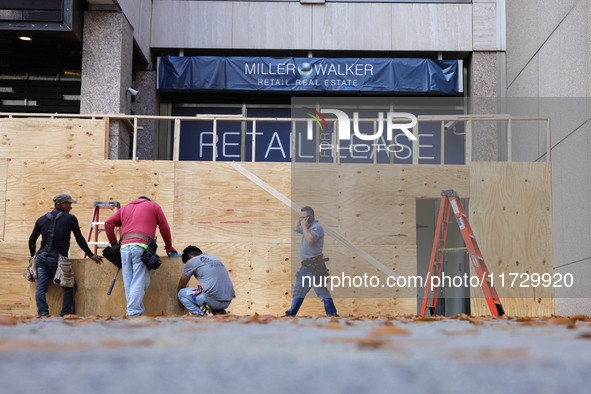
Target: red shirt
x=139, y=216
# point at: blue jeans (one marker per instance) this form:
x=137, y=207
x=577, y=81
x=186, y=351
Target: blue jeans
x=46, y=268
x=136, y=278
x=300, y=291
x=193, y=302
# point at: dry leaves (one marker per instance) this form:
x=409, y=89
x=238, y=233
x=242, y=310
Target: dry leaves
x=385, y=331
x=8, y=321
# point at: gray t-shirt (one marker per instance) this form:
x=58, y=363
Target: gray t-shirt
x=308, y=251
x=212, y=276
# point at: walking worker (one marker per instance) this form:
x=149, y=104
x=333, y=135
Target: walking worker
x=313, y=264
x=138, y=221
x=215, y=291
x=52, y=247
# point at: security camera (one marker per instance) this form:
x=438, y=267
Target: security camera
x=451, y=124
x=132, y=91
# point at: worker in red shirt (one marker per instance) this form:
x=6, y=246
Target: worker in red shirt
x=138, y=221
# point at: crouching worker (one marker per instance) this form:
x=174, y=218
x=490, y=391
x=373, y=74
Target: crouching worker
x=215, y=290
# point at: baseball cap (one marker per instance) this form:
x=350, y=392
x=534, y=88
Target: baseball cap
x=63, y=197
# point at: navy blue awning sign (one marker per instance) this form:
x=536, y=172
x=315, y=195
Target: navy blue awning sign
x=309, y=74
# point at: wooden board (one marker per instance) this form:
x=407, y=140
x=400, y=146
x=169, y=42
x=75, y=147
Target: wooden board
x=3, y=176
x=14, y=291
x=31, y=185
x=78, y=139
x=214, y=203
x=511, y=215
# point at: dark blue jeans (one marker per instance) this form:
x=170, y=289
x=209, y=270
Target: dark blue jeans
x=46, y=268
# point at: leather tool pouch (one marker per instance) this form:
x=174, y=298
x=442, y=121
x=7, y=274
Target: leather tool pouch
x=150, y=258
x=64, y=276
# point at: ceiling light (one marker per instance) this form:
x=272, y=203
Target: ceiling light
x=26, y=38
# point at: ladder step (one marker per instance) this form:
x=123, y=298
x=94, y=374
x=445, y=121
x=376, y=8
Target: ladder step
x=452, y=250
x=98, y=223
x=98, y=243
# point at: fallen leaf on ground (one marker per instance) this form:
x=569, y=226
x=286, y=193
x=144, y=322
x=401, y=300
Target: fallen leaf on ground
x=384, y=331
x=565, y=321
x=8, y=321
x=333, y=327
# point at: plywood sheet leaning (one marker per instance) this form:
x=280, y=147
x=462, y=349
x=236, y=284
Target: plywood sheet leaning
x=23, y=138
x=511, y=215
x=31, y=185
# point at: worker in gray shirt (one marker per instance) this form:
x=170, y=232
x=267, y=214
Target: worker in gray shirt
x=313, y=272
x=215, y=291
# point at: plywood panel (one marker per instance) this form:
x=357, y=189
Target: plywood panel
x=23, y=138
x=14, y=291
x=31, y=185
x=215, y=203
x=271, y=278
x=511, y=215
x=3, y=176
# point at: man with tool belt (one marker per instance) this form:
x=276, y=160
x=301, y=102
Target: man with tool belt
x=138, y=221
x=53, y=244
x=313, y=264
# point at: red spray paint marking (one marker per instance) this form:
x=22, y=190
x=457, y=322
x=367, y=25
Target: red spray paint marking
x=229, y=210
x=245, y=221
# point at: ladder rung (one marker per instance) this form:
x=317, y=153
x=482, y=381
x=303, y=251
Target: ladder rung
x=480, y=258
x=452, y=250
x=98, y=223
x=472, y=236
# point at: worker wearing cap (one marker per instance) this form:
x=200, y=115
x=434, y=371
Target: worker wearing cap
x=47, y=261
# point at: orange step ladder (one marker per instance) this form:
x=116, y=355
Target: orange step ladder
x=450, y=198
x=95, y=223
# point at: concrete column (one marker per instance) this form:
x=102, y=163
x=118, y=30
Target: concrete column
x=107, y=56
x=146, y=103
x=483, y=83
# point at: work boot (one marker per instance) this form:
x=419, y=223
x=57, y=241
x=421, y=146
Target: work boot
x=329, y=307
x=295, y=307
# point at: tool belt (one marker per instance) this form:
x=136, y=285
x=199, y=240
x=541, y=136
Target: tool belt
x=141, y=236
x=316, y=266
